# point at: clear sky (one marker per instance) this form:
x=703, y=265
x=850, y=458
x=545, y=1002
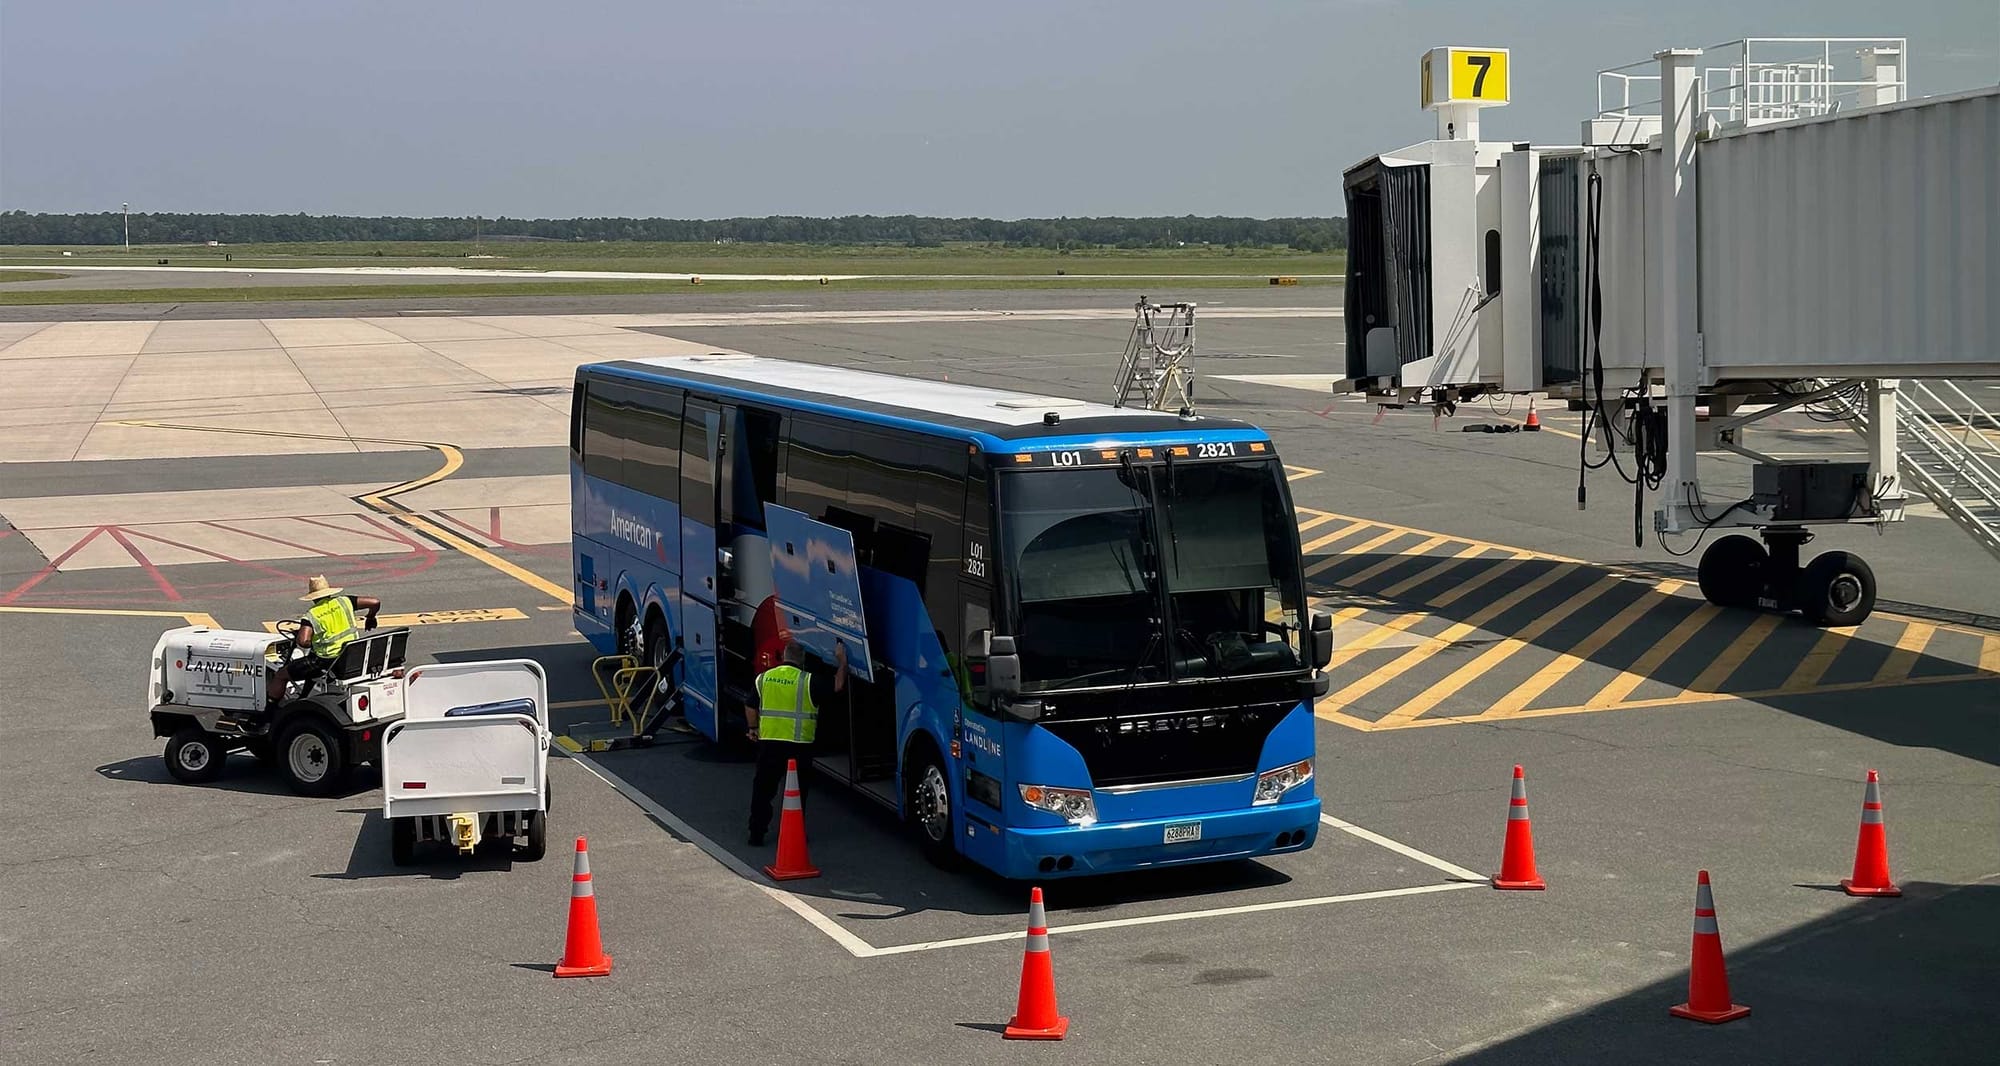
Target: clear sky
x=752, y=107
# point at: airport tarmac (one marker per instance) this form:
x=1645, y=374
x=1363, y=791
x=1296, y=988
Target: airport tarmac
x=166, y=469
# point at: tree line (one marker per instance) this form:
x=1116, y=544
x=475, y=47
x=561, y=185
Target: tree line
x=1303, y=234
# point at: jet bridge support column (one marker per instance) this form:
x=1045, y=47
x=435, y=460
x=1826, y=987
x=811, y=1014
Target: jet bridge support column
x=1680, y=344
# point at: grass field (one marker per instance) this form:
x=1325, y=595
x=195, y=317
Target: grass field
x=976, y=259
x=29, y=275
x=475, y=289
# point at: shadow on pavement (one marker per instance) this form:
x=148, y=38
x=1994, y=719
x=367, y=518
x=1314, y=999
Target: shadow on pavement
x=370, y=857
x=1908, y=980
x=244, y=774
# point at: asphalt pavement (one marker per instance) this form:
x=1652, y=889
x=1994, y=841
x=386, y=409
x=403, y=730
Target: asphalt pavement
x=142, y=920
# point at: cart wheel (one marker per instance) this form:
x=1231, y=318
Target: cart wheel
x=196, y=756
x=1837, y=589
x=312, y=758
x=402, y=841
x=1732, y=571
x=538, y=838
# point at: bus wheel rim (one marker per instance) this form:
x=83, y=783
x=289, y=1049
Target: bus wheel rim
x=934, y=804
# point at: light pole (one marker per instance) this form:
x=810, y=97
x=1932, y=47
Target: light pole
x=127, y=208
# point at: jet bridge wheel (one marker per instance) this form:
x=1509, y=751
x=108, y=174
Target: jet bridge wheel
x=1836, y=589
x=1732, y=571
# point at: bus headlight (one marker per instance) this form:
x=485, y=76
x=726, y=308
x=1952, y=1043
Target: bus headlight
x=1273, y=784
x=1073, y=804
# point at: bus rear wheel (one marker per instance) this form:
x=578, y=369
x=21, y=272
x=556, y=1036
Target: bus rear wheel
x=927, y=806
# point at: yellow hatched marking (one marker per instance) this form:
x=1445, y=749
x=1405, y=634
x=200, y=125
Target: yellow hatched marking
x=1713, y=678
x=1640, y=672
x=1403, y=622
x=1362, y=548
x=1817, y=661
x=1387, y=564
x=1501, y=651
x=1909, y=648
x=1508, y=548
x=1497, y=570
x=1548, y=676
x=1459, y=631
x=1318, y=519
x=1339, y=534
x=1429, y=572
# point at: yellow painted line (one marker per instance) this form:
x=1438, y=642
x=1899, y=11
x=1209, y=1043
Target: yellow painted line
x=1679, y=700
x=1641, y=671
x=381, y=502
x=1429, y=572
x=1362, y=548
x=554, y=607
x=1339, y=534
x=1300, y=473
x=1989, y=654
x=1319, y=518
x=1408, y=660
x=566, y=743
x=1814, y=666
x=1501, y=651
x=1394, y=561
x=1717, y=674
x=1549, y=676
x=1492, y=573
x=1402, y=622
x=1510, y=549
x=1376, y=636
x=193, y=618
x=1909, y=648
x=1459, y=631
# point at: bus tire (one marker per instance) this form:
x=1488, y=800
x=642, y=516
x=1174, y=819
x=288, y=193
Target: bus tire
x=927, y=805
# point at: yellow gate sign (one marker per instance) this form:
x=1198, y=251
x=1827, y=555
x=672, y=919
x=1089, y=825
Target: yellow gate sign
x=1476, y=76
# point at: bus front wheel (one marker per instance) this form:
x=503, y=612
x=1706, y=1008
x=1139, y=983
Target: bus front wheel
x=927, y=806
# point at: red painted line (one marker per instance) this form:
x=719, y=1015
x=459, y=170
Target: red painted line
x=345, y=558
x=472, y=529
x=218, y=555
x=393, y=537
x=45, y=572
x=493, y=521
x=401, y=537
x=159, y=580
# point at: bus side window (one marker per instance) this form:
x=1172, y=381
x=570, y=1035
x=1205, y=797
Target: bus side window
x=978, y=619
x=576, y=402
x=603, y=452
x=815, y=473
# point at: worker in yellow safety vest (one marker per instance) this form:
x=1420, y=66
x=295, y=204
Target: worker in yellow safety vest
x=329, y=625
x=783, y=716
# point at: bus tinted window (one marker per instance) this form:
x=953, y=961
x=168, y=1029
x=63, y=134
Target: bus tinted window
x=652, y=449
x=603, y=452
x=815, y=467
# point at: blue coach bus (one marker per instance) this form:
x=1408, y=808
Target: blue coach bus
x=1078, y=635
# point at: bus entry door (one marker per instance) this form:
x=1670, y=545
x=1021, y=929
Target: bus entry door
x=818, y=584
x=701, y=449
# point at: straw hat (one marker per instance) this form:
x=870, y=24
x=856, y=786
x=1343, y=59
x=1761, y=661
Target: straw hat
x=318, y=589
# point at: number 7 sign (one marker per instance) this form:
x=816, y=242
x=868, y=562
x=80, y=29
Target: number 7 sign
x=1476, y=76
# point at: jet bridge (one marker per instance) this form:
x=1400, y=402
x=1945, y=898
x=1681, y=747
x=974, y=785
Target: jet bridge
x=1756, y=227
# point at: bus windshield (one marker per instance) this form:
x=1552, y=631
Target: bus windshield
x=1156, y=572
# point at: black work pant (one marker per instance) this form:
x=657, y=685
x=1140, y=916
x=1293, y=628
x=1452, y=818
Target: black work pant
x=770, y=779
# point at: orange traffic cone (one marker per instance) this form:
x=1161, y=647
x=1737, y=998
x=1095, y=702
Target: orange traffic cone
x=1708, y=983
x=583, y=950
x=1035, y=1016
x=793, y=863
x=1517, y=858
x=1534, y=422
x=1871, y=851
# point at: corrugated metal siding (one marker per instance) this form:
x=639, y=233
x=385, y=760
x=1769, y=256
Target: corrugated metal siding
x=1862, y=239
x=1627, y=231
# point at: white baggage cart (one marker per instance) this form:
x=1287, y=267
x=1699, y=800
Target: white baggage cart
x=469, y=761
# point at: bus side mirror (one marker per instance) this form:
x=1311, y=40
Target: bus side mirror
x=1003, y=667
x=1320, y=640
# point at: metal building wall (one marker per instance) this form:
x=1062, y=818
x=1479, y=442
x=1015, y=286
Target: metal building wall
x=1859, y=241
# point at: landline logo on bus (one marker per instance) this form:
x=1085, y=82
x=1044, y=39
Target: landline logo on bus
x=1081, y=457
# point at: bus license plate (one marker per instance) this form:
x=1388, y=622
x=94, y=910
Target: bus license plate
x=1183, y=833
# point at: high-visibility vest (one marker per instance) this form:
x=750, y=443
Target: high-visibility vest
x=785, y=708
x=333, y=625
